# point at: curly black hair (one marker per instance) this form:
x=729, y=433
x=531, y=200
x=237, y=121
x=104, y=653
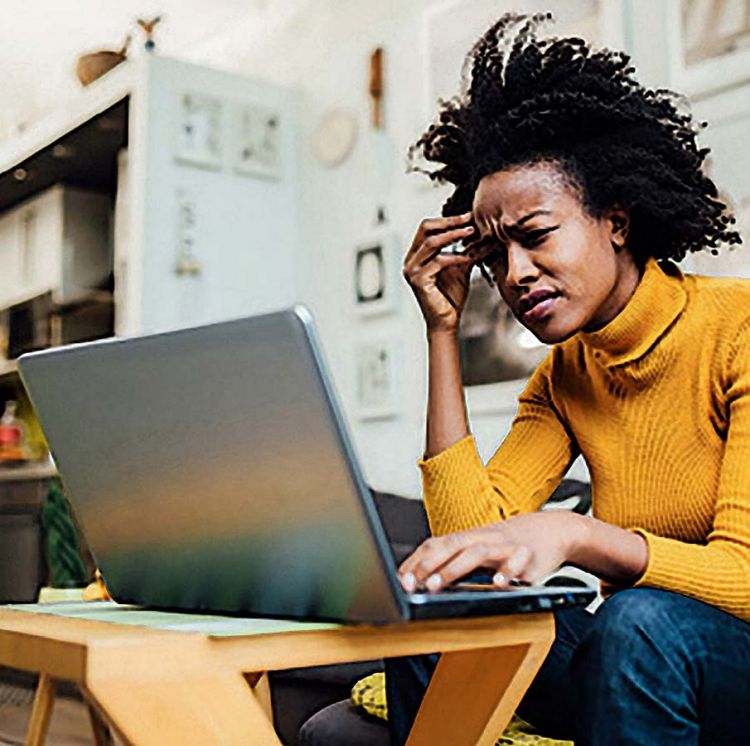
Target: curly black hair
x=526, y=100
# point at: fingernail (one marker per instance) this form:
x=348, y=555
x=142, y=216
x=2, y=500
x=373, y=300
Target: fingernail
x=469, y=229
x=409, y=581
x=498, y=578
x=434, y=582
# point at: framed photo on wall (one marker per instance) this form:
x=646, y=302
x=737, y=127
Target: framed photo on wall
x=375, y=379
x=199, y=140
x=709, y=44
x=375, y=274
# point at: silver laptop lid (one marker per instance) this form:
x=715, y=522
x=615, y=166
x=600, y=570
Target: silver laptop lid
x=211, y=470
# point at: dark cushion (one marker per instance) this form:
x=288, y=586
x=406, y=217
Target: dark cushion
x=343, y=724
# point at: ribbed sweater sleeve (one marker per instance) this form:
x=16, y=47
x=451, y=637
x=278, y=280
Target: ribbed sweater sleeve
x=461, y=493
x=718, y=572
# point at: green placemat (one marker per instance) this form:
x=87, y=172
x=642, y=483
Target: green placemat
x=211, y=625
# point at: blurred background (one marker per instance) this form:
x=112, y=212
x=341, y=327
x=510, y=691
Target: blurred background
x=165, y=164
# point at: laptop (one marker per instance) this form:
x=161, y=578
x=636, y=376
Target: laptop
x=211, y=471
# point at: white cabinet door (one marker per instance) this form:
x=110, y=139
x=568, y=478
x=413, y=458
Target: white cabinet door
x=39, y=239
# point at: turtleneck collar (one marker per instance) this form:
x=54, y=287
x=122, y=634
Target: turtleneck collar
x=657, y=301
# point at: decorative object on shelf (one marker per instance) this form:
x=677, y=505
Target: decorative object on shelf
x=148, y=27
x=494, y=346
x=199, y=138
x=375, y=380
x=14, y=447
x=335, y=137
x=35, y=440
x=375, y=273
x=94, y=65
x=258, y=151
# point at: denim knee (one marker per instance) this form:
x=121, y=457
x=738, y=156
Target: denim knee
x=639, y=628
x=648, y=611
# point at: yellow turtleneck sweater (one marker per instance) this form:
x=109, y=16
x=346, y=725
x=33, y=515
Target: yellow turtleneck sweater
x=658, y=404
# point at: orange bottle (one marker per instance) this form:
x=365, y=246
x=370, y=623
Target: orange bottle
x=13, y=448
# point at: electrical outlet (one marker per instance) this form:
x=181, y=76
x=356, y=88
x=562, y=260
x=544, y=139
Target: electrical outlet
x=259, y=142
x=199, y=131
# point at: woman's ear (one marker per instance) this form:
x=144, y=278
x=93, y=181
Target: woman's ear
x=619, y=222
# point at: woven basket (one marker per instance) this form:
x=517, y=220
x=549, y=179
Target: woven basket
x=94, y=65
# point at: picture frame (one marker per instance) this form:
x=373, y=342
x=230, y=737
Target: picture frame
x=375, y=371
x=708, y=45
x=258, y=141
x=375, y=274
x=199, y=131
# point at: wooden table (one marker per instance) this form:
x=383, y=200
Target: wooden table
x=164, y=688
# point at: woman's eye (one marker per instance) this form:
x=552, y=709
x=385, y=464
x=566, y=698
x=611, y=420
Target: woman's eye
x=534, y=238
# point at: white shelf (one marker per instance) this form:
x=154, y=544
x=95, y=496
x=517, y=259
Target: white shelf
x=92, y=101
x=28, y=472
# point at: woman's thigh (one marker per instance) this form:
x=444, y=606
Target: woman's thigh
x=649, y=664
x=660, y=667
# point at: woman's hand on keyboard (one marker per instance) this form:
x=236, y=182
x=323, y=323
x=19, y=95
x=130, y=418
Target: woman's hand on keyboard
x=523, y=549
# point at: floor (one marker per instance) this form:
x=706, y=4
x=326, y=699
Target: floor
x=69, y=726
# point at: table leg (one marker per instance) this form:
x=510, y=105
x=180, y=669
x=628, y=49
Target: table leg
x=41, y=712
x=473, y=694
x=102, y=736
x=192, y=710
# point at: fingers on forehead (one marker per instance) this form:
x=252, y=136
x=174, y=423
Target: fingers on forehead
x=439, y=224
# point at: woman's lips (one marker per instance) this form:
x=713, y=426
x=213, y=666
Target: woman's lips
x=540, y=310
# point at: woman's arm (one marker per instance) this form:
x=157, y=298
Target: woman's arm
x=458, y=491
x=461, y=493
x=447, y=422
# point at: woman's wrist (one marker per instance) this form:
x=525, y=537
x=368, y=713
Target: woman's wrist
x=607, y=551
x=577, y=536
x=439, y=333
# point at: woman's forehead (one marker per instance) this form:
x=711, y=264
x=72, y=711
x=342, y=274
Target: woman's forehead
x=512, y=194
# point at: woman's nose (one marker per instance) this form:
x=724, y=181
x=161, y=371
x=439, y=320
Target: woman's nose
x=521, y=269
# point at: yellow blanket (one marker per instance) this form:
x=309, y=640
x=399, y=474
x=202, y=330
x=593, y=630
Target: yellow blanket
x=369, y=693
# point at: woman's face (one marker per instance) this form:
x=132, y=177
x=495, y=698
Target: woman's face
x=554, y=264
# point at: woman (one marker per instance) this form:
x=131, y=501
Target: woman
x=571, y=182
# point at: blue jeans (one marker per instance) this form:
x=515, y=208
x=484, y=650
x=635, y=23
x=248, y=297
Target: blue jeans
x=649, y=667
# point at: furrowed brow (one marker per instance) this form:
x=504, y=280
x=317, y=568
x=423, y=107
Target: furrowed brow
x=526, y=218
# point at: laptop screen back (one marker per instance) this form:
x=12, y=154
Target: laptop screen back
x=210, y=471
